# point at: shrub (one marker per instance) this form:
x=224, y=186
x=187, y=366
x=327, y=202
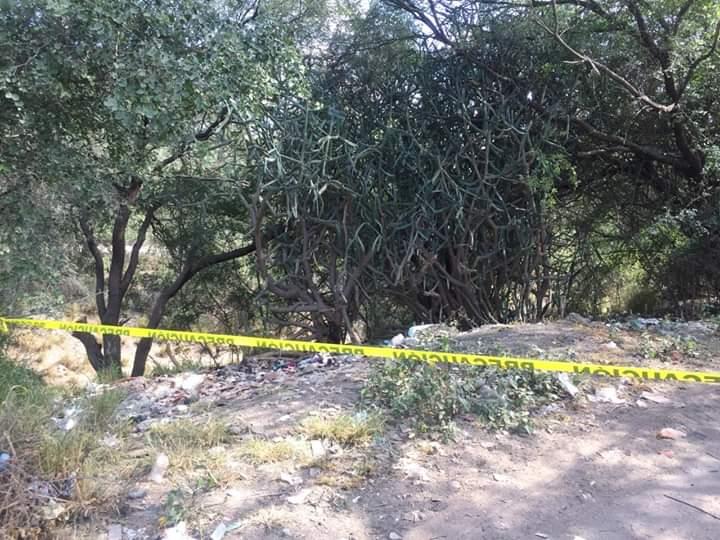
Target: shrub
x=431, y=396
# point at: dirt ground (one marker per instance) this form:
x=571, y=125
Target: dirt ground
x=591, y=470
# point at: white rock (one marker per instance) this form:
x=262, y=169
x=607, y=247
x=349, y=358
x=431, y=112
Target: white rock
x=191, y=382
x=300, y=497
x=566, y=383
x=178, y=532
x=655, y=398
x=162, y=462
x=317, y=449
x=606, y=394
x=291, y=479
x=114, y=532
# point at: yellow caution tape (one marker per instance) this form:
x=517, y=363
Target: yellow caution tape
x=501, y=362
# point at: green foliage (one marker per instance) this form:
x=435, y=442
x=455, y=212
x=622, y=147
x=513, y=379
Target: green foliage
x=431, y=396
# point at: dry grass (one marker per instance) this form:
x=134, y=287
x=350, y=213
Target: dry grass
x=345, y=429
x=269, y=517
x=347, y=473
x=53, y=473
x=263, y=451
x=196, y=450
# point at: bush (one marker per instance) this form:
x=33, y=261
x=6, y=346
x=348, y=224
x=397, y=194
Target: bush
x=431, y=396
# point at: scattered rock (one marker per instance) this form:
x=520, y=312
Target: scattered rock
x=300, y=497
x=566, y=383
x=606, y=394
x=190, y=382
x=670, y=433
x=394, y=536
x=501, y=478
x=577, y=319
x=136, y=493
x=655, y=398
x=53, y=510
x=414, y=516
x=162, y=462
x=291, y=479
x=317, y=449
x=611, y=345
x=541, y=535
x=455, y=484
x=114, y=532
x=178, y=532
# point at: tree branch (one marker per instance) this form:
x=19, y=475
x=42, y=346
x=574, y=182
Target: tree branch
x=600, y=67
x=135, y=254
x=203, y=135
x=99, y=266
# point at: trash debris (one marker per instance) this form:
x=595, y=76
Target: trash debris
x=397, y=340
x=414, y=331
x=4, y=461
x=394, y=536
x=655, y=398
x=541, y=535
x=178, y=532
x=115, y=532
x=611, y=345
x=162, y=462
x=606, y=394
x=219, y=532
x=670, y=433
x=566, y=383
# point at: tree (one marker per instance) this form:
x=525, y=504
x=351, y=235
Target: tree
x=132, y=118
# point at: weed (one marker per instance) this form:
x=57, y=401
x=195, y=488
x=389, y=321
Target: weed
x=99, y=410
x=431, y=396
x=359, y=428
x=263, y=451
x=52, y=471
x=175, y=508
x=184, y=434
x=195, y=450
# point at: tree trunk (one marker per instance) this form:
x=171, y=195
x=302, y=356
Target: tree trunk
x=143, y=348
